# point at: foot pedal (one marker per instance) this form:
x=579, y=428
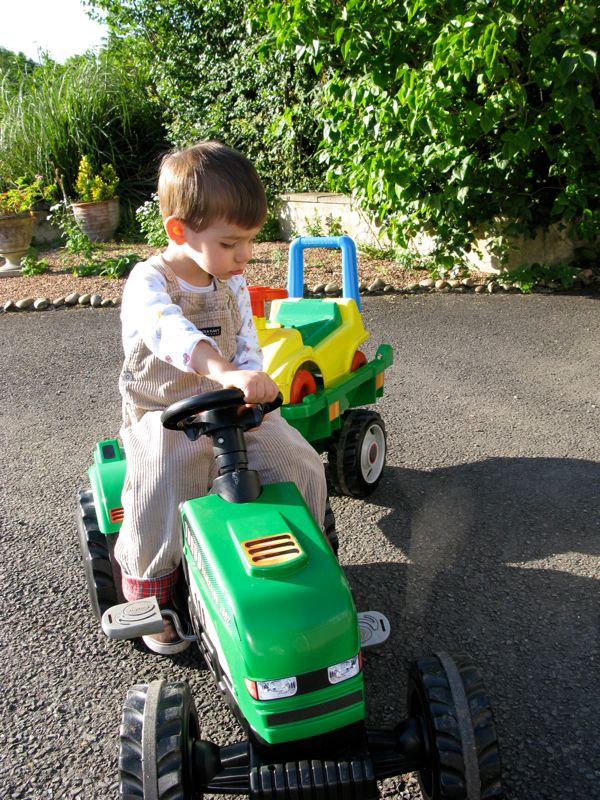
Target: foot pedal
x=374, y=628
x=133, y=619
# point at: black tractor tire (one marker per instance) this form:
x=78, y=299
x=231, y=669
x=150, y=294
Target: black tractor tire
x=96, y=553
x=357, y=456
x=158, y=729
x=446, y=694
x=329, y=528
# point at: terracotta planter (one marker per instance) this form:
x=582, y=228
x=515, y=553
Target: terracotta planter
x=16, y=232
x=98, y=220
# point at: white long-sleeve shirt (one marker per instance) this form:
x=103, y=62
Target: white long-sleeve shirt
x=147, y=311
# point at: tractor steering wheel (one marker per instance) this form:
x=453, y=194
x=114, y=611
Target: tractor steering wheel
x=182, y=414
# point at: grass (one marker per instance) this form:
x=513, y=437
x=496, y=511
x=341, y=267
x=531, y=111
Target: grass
x=90, y=106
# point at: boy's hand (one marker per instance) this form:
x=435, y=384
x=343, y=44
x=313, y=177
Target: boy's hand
x=258, y=387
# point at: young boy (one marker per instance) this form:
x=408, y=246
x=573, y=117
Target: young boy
x=188, y=328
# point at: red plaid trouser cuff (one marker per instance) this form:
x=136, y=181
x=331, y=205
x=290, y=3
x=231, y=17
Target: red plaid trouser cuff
x=162, y=588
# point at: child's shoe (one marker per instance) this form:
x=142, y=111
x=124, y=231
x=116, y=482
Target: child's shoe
x=168, y=642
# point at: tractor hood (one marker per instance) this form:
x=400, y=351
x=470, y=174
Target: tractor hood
x=270, y=578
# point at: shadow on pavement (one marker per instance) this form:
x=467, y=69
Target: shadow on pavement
x=501, y=559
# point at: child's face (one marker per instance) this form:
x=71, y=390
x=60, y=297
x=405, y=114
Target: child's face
x=221, y=250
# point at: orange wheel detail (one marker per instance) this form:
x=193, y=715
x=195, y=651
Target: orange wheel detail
x=358, y=360
x=302, y=385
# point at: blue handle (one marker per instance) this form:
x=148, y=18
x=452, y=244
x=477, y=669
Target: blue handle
x=344, y=243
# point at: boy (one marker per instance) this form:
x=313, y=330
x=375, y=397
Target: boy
x=188, y=328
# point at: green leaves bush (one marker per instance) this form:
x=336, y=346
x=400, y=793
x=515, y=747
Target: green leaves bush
x=95, y=186
x=453, y=115
x=204, y=70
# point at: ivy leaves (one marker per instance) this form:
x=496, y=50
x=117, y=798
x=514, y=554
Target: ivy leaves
x=448, y=115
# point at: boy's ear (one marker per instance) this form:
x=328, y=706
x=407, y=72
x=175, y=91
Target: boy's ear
x=175, y=230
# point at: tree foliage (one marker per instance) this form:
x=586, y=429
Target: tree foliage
x=451, y=114
x=204, y=69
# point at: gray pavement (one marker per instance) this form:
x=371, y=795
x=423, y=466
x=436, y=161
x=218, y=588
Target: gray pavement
x=484, y=536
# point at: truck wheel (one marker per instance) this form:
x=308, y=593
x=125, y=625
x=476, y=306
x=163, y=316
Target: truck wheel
x=303, y=384
x=95, y=550
x=158, y=729
x=448, y=696
x=357, y=457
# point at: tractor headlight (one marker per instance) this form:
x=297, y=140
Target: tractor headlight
x=344, y=670
x=272, y=690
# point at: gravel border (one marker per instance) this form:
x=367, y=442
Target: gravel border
x=586, y=280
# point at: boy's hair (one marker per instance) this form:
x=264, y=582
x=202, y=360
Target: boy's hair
x=208, y=182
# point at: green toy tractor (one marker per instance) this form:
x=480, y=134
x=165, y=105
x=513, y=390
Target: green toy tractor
x=274, y=618
x=270, y=608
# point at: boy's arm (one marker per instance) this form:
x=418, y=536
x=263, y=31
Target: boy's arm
x=148, y=311
x=258, y=387
x=248, y=352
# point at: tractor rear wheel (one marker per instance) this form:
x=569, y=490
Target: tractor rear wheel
x=329, y=528
x=446, y=694
x=96, y=552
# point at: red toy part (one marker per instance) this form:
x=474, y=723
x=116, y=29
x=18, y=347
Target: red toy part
x=358, y=360
x=259, y=295
x=302, y=385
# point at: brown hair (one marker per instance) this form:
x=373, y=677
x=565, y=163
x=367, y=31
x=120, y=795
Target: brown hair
x=208, y=182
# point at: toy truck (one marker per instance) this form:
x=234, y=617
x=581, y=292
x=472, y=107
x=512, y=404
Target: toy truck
x=311, y=349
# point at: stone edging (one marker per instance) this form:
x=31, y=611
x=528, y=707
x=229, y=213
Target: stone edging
x=72, y=300
x=585, y=279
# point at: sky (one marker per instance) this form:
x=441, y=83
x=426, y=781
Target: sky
x=59, y=27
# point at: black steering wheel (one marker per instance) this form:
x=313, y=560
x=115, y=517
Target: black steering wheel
x=184, y=414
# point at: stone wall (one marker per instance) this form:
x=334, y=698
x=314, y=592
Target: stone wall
x=300, y=213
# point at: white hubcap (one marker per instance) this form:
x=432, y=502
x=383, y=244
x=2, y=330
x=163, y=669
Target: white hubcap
x=372, y=453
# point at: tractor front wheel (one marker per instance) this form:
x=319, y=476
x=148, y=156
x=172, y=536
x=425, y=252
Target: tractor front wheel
x=447, y=696
x=158, y=729
x=357, y=456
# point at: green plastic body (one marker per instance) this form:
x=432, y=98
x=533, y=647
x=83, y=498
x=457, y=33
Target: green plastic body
x=314, y=319
x=107, y=476
x=270, y=621
x=319, y=415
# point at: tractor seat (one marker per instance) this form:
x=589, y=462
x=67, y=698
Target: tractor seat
x=313, y=319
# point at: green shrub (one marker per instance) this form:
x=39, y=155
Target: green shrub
x=94, y=186
x=203, y=67
x=149, y=219
x=31, y=265
x=112, y=267
x=527, y=276
x=73, y=238
x=23, y=195
x=447, y=115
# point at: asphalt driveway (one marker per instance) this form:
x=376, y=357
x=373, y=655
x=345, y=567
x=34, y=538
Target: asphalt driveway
x=483, y=536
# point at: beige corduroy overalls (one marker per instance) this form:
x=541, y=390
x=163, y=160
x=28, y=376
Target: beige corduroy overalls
x=164, y=467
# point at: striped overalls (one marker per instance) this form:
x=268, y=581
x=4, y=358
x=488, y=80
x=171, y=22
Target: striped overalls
x=164, y=467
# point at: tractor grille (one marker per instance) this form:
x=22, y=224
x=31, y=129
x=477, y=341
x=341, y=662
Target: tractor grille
x=116, y=514
x=271, y=550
